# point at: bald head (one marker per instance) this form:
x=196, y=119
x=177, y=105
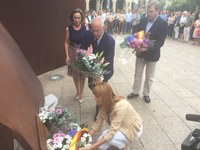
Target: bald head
x=98, y=21
x=97, y=27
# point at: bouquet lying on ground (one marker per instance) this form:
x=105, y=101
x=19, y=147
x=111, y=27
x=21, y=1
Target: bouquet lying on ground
x=139, y=42
x=72, y=138
x=57, y=118
x=89, y=64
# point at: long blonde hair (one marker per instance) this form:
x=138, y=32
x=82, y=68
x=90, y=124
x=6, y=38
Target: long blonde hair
x=104, y=91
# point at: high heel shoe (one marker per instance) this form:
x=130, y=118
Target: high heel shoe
x=77, y=97
x=81, y=100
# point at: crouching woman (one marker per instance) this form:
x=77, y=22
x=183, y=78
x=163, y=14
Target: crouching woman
x=124, y=124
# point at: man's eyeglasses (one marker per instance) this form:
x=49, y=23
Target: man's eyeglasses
x=96, y=31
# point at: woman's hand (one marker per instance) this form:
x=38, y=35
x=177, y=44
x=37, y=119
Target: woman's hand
x=87, y=148
x=91, y=132
x=67, y=60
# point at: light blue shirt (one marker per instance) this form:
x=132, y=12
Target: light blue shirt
x=128, y=17
x=150, y=24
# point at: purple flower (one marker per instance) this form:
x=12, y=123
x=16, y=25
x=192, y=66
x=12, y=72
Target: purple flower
x=129, y=39
x=72, y=133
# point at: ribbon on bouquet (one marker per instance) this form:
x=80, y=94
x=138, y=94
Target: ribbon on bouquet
x=140, y=35
x=76, y=139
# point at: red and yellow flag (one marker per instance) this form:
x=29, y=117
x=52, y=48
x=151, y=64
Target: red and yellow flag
x=76, y=138
x=140, y=35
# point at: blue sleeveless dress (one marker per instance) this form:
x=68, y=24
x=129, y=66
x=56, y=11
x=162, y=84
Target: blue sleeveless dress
x=75, y=38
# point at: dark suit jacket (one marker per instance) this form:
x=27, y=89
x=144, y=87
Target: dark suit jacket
x=158, y=32
x=106, y=45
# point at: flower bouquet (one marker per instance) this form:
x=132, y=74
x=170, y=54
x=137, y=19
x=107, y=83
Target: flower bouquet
x=57, y=119
x=139, y=42
x=72, y=138
x=89, y=64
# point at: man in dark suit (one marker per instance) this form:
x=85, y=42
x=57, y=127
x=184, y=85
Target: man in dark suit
x=157, y=31
x=101, y=41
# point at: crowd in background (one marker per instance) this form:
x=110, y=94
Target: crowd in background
x=182, y=26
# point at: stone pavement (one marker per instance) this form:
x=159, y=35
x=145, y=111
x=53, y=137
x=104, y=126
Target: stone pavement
x=175, y=92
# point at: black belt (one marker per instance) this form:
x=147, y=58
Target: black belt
x=74, y=45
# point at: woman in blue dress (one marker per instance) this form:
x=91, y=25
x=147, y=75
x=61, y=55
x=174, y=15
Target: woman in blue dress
x=74, y=36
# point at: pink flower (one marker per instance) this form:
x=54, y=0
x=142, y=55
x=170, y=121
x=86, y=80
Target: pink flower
x=58, y=111
x=56, y=140
x=80, y=51
x=89, y=50
x=62, y=135
x=56, y=135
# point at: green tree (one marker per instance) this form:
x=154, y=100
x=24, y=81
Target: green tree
x=196, y=3
x=162, y=3
x=181, y=5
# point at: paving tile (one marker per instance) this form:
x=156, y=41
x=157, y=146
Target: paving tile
x=190, y=84
x=156, y=139
x=122, y=89
x=174, y=127
x=178, y=146
x=149, y=122
x=181, y=113
x=137, y=145
x=160, y=109
x=170, y=98
x=119, y=78
x=194, y=103
x=179, y=89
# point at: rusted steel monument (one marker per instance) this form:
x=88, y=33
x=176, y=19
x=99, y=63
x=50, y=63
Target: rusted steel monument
x=31, y=42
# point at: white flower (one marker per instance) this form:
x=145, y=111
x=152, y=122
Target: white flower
x=92, y=57
x=83, y=139
x=85, y=135
x=59, y=145
x=68, y=139
x=67, y=146
x=50, y=118
x=102, y=60
x=102, y=78
x=87, y=145
x=75, y=126
x=90, y=139
x=48, y=141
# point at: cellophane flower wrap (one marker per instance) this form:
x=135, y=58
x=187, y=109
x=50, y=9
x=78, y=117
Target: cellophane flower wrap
x=72, y=138
x=139, y=42
x=91, y=65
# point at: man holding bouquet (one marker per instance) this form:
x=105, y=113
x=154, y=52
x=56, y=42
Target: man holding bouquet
x=101, y=41
x=156, y=28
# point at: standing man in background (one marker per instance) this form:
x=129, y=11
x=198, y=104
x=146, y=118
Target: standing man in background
x=156, y=27
x=128, y=21
x=188, y=27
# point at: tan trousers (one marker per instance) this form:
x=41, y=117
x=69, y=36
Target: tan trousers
x=150, y=66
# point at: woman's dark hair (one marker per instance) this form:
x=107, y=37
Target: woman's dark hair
x=77, y=10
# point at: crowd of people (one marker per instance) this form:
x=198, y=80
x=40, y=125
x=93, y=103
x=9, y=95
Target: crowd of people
x=124, y=123
x=182, y=26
